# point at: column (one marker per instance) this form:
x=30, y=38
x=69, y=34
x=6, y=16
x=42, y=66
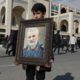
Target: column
x=74, y=26
x=50, y=8
x=0, y=17
x=28, y=10
x=59, y=11
x=58, y=22
x=8, y=16
x=79, y=29
x=71, y=27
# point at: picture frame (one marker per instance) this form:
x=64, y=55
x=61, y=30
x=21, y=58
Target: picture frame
x=41, y=30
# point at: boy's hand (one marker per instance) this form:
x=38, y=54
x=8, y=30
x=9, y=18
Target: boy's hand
x=47, y=65
x=37, y=68
x=16, y=63
x=50, y=63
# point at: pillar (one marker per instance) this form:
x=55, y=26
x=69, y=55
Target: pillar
x=71, y=27
x=8, y=16
x=29, y=6
x=79, y=28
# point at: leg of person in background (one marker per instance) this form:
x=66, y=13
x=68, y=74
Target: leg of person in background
x=55, y=48
x=14, y=51
x=62, y=47
x=7, y=49
x=72, y=48
x=58, y=49
x=67, y=48
x=9, y=52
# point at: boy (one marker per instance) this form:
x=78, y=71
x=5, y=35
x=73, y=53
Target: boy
x=38, y=11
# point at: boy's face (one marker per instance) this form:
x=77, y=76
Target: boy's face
x=38, y=15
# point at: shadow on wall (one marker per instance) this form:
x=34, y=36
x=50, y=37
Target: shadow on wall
x=66, y=76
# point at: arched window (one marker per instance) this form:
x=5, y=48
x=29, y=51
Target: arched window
x=3, y=19
x=63, y=10
x=64, y=26
x=76, y=26
x=17, y=14
x=3, y=15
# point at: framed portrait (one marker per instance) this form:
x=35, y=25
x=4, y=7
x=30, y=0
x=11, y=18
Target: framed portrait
x=34, y=43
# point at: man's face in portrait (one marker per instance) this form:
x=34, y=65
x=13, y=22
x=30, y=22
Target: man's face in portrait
x=32, y=36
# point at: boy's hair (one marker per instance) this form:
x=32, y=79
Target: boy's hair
x=38, y=7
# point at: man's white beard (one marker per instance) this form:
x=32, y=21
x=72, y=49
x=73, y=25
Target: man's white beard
x=33, y=45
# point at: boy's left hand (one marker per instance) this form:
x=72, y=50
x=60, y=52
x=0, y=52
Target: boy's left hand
x=50, y=63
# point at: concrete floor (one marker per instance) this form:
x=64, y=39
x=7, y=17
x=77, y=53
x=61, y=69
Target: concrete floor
x=65, y=67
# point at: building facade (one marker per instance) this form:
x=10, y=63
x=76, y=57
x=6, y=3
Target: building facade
x=66, y=19
x=13, y=11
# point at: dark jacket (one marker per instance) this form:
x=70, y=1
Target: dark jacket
x=57, y=38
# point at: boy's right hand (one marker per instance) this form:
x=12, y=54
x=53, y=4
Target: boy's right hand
x=16, y=63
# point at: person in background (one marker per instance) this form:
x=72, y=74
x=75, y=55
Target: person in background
x=72, y=42
x=57, y=42
x=11, y=43
x=39, y=12
x=67, y=43
x=78, y=42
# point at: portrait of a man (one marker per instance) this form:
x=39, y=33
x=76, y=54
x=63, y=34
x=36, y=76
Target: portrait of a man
x=34, y=48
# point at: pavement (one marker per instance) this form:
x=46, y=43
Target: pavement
x=65, y=67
